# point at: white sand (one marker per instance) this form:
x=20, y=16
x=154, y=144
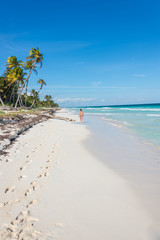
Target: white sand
x=59, y=190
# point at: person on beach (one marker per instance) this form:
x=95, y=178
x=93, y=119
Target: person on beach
x=81, y=116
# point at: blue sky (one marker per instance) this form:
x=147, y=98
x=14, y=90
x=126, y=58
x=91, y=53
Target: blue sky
x=96, y=52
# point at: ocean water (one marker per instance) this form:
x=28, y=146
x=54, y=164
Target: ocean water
x=142, y=120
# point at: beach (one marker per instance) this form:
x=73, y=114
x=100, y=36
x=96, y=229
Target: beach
x=55, y=186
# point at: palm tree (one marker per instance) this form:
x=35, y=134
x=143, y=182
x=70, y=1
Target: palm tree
x=28, y=66
x=34, y=93
x=49, y=100
x=42, y=82
x=12, y=62
x=36, y=57
x=16, y=76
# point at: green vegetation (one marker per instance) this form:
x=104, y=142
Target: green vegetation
x=2, y=112
x=15, y=80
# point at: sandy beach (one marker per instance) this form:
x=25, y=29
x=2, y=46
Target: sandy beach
x=53, y=187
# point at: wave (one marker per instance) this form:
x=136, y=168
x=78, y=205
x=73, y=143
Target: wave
x=153, y=115
x=114, y=123
x=142, y=109
x=106, y=114
x=126, y=123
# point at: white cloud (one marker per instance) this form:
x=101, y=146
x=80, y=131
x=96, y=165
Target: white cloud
x=71, y=100
x=140, y=75
x=96, y=84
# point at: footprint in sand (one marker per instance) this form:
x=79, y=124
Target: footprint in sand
x=33, y=183
x=28, y=192
x=23, y=214
x=46, y=174
x=10, y=232
x=40, y=176
x=21, y=177
x=10, y=189
x=46, y=167
x=35, y=187
x=20, y=217
x=31, y=203
x=8, y=160
x=11, y=203
x=22, y=168
x=5, y=204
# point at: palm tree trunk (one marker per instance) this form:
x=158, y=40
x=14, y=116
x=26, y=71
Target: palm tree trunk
x=12, y=94
x=26, y=94
x=2, y=101
x=33, y=103
x=21, y=102
x=35, y=98
x=24, y=85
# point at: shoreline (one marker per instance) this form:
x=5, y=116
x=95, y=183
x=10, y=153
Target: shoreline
x=128, y=156
x=57, y=185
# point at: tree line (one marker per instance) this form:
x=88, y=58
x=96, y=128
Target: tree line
x=14, y=82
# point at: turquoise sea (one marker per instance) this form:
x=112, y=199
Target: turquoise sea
x=142, y=120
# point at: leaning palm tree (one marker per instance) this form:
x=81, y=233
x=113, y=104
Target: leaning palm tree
x=36, y=57
x=42, y=82
x=28, y=66
x=12, y=62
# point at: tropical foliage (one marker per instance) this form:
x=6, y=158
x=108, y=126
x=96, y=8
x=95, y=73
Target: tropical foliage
x=15, y=80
